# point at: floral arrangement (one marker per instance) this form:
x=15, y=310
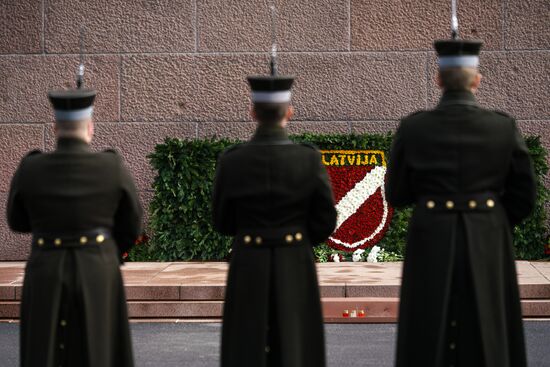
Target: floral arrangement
x=357, y=178
x=375, y=254
x=143, y=239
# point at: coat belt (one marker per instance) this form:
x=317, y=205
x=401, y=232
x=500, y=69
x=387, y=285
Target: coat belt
x=485, y=201
x=92, y=237
x=271, y=237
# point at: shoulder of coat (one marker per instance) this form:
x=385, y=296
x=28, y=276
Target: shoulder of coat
x=110, y=150
x=112, y=153
x=310, y=146
x=232, y=149
x=502, y=113
x=415, y=113
x=33, y=152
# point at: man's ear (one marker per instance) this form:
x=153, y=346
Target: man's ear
x=289, y=112
x=253, y=112
x=476, y=82
x=91, y=129
x=438, y=80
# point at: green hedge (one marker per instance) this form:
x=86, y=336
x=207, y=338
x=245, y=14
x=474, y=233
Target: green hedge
x=180, y=219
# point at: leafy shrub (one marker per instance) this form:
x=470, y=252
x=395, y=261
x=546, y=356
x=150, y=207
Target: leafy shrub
x=180, y=219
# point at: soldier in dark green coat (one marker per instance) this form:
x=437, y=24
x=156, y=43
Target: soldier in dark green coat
x=274, y=197
x=469, y=173
x=83, y=212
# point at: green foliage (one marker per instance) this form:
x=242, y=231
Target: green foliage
x=387, y=256
x=180, y=218
x=322, y=253
x=532, y=234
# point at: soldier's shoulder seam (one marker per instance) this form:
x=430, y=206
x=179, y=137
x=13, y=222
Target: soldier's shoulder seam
x=33, y=152
x=502, y=113
x=309, y=145
x=414, y=114
x=232, y=148
x=110, y=150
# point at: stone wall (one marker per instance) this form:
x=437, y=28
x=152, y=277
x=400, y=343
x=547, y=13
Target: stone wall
x=177, y=68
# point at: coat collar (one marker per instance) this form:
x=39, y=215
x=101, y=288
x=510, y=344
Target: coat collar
x=458, y=97
x=72, y=144
x=264, y=134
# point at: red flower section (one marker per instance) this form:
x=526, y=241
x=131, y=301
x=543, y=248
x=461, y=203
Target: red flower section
x=368, y=217
x=141, y=239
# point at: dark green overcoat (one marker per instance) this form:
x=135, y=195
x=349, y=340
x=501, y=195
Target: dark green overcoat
x=274, y=197
x=73, y=310
x=469, y=173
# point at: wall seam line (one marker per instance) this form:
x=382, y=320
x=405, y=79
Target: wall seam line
x=261, y=53
x=196, y=25
x=119, y=88
x=43, y=38
x=504, y=8
x=349, y=25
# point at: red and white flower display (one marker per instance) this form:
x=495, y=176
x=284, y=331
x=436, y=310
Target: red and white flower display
x=357, y=178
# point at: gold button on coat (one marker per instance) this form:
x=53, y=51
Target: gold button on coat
x=100, y=238
x=491, y=203
x=289, y=238
x=450, y=204
x=63, y=323
x=258, y=240
x=430, y=204
x=247, y=239
x=299, y=236
x=83, y=240
x=472, y=204
x=57, y=242
x=40, y=242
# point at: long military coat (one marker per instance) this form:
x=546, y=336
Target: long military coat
x=272, y=298
x=73, y=309
x=460, y=148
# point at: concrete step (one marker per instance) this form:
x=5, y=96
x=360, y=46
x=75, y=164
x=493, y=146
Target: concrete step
x=335, y=310
x=384, y=310
x=215, y=292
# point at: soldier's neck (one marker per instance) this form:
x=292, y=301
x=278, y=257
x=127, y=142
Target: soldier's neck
x=70, y=142
x=270, y=132
x=458, y=94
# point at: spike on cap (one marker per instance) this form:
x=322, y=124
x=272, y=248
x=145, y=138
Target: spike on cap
x=273, y=88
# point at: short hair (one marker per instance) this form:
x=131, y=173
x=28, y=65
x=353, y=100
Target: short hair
x=457, y=79
x=270, y=113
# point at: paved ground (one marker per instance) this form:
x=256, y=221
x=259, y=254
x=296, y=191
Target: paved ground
x=175, y=280
x=197, y=345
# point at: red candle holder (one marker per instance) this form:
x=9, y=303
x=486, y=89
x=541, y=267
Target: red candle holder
x=345, y=313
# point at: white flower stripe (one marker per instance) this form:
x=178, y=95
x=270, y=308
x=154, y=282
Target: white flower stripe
x=353, y=200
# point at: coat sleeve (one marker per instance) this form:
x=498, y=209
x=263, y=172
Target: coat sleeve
x=128, y=217
x=18, y=218
x=519, y=194
x=398, y=192
x=322, y=214
x=222, y=208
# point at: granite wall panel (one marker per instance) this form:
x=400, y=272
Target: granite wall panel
x=178, y=68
